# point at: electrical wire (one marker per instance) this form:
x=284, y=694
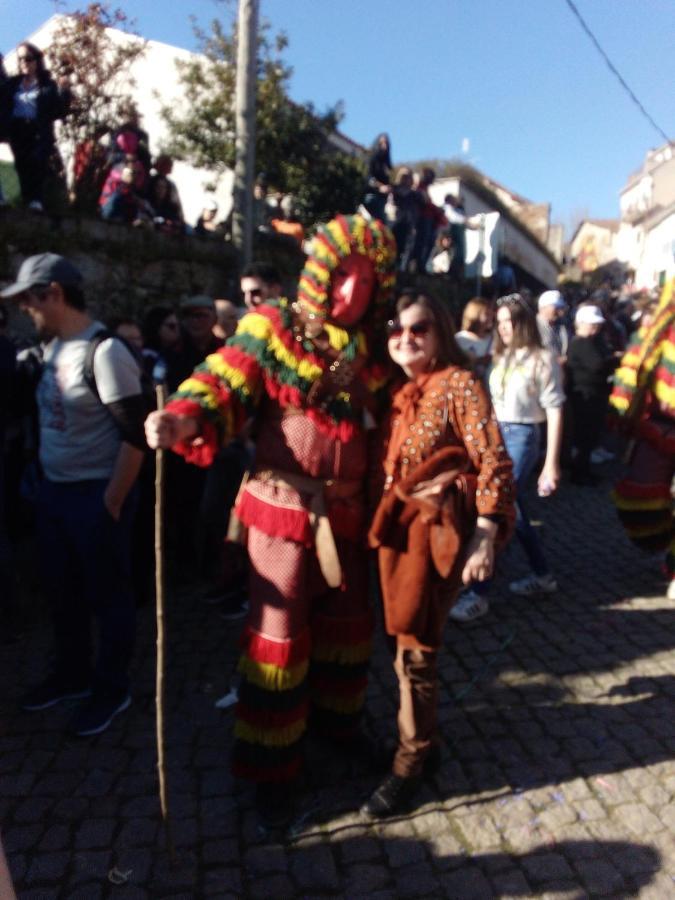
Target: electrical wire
x=616, y=72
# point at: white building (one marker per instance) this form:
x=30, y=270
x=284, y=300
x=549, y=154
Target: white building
x=646, y=239
x=504, y=233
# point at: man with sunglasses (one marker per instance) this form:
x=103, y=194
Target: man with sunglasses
x=33, y=101
x=259, y=282
x=91, y=450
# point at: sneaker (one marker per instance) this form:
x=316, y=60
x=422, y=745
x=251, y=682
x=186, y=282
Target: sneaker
x=469, y=607
x=391, y=797
x=600, y=455
x=97, y=715
x=670, y=594
x=36, y=206
x=52, y=691
x=532, y=585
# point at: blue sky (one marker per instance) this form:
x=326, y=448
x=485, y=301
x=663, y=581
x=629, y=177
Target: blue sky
x=518, y=78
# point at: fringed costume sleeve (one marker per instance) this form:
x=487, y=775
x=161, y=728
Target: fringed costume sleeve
x=223, y=392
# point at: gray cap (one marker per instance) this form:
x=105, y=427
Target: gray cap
x=42, y=269
x=198, y=301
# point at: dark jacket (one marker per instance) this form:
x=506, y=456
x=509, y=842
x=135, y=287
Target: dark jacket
x=589, y=365
x=52, y=103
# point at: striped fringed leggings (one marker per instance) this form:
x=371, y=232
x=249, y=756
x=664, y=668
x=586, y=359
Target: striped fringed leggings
x=643, y=497
x=304, y=657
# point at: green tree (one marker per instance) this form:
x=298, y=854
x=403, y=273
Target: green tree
x=98, y=67
x=292, y=139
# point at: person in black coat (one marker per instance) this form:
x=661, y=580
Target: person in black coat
x=379, y=177
x=32, y=102
x=589, y=364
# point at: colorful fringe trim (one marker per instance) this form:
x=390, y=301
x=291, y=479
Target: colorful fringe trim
x=645, y=511
x=271, y=715
x=338, y=673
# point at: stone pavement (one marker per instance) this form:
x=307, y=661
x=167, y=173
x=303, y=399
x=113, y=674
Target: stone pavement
x=557, y=780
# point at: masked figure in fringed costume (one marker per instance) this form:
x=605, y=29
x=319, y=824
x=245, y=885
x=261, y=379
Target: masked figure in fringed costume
x=644, y=399
x=305, y=370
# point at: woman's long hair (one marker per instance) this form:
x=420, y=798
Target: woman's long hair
x=381, y=153
x=449, y=352
x=524, y=324
x=153, y=321
x=40, y=68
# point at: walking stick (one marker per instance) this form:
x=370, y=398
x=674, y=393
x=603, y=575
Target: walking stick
x=159, y=375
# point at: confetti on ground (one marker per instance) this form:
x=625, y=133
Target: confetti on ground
x=558, y=797
x=115, y=876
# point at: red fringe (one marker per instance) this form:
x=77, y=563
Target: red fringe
x=288, y=772
x=284, y=654
x=655, y=437
x=341, y=632
x=275, y=521
x=266, y=718
x=343, y=687
x=636, y=490
x=184, y=407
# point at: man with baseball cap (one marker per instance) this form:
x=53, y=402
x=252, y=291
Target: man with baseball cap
x=553, y=331
x=91, y=449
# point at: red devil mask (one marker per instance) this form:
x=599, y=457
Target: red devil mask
x=351, y=289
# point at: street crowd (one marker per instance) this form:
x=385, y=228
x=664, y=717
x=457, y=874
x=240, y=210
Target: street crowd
x=313, y=436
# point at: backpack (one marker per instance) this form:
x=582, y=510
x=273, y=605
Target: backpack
x=147, y=387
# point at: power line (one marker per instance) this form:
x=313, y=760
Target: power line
x=616, y=72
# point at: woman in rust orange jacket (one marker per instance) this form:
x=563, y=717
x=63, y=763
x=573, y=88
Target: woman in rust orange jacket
x=447, y=503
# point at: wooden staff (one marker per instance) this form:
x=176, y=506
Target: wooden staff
x=160, y=391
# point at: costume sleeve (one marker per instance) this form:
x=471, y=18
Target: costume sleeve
x=475, y=425
x=625, y=377
x=223, y=392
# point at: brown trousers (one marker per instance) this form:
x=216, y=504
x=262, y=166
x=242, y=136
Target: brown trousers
x=418, y=710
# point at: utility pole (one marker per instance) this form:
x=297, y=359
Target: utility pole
x=247, y=52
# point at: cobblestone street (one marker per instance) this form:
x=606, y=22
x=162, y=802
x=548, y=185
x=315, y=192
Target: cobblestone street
x=557, y=778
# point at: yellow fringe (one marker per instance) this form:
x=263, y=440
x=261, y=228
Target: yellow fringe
x=234, y=377
x=337, y=337
x=194, y=386
x=620, y=403
x=256, y=325
x=270, y=737
x=356, y=653
x=664, y=393
x=637, y=504
x=303, y=367
x=271, y=677
x=343, y=705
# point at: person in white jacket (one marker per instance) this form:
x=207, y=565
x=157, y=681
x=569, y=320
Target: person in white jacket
x=525, y=383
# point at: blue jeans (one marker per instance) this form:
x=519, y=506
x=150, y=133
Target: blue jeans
x=86, y=570
x=522, y=444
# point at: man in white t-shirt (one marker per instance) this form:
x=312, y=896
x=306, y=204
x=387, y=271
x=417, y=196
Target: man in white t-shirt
x=91, y=450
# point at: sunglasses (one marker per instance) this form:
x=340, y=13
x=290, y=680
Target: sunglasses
x=256, y=292
x=417, y=329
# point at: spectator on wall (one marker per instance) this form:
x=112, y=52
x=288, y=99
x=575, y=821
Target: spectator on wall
x=33, y=102
x=379, y=177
